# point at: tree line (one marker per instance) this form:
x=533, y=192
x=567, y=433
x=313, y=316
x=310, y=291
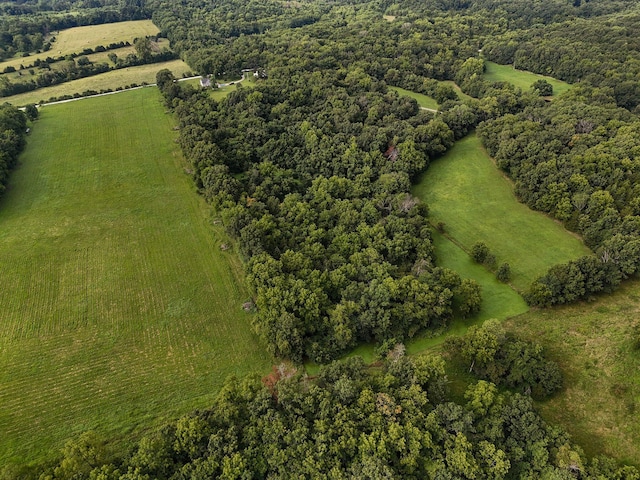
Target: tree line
x=575, y=160
x=53, y=71
x=13, y=130
x=396, y=420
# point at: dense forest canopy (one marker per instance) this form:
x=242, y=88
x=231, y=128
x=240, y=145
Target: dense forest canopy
x=310, y=170
x=339, y=251
x=307, y=122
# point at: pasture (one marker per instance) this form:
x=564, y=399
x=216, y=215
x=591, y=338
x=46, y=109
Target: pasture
x=498, y=299
x=74, y=40
x=595, y=346
x=120, y=309
x=520, y=78
x=465, y=190
x=109, y=80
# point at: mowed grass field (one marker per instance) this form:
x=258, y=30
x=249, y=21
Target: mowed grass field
x=108, y=80
x=594, y=345
x=423, y=100
x=522, y=79
x=74, y=40
x=466, y=191
x=499, y=300
x=119, y=308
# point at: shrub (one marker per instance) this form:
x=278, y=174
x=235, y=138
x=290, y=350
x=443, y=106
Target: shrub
x=490, y=260
x=479, y=251
x=543, y=88
x=504, y=273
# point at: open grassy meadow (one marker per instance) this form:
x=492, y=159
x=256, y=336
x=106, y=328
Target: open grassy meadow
x=74, y=40
x=520, y=78
x=466, y=191
x=499, y=300
x=108, y=80
x=119, y=307
x=594, y=345
x=423, y=100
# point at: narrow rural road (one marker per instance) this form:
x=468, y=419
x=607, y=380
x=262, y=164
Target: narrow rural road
x=132, y=88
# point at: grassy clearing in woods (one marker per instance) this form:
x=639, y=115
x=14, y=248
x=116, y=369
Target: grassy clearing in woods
x=520, y=78
x=466, y=191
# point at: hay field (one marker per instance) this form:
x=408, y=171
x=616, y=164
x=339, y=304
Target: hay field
x=74, y=40
x=120, y=309
x=109, y=80
x=465, y=190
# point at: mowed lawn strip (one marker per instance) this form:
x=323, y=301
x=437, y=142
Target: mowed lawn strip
x=74, y=40
x=120, y=309
x=466, y=191
x=596, y=347
x=522, y=79
x=109, y=80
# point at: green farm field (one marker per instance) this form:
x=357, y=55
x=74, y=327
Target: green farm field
x=466, y=191
x=100, y=57
x=74, y=40
x=108, y=80
x=594, y=345
x=120, y=310
x=520, y=78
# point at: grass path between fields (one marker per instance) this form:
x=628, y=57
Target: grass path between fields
x=120, y=310
x=466, y=191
